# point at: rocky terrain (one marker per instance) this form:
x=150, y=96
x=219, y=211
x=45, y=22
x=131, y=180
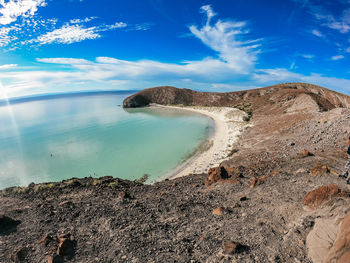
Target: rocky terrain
x=277, y=199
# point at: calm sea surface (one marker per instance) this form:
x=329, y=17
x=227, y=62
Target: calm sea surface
x=78, y=136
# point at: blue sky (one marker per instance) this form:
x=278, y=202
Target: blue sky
x=49, y=46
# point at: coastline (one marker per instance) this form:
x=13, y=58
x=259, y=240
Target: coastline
x=229, y=124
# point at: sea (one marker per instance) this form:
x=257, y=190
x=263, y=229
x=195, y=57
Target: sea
x=55, y=137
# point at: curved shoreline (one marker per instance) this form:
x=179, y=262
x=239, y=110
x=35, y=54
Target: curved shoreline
x=229, y=124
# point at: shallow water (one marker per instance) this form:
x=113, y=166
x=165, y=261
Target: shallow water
x=79, y=136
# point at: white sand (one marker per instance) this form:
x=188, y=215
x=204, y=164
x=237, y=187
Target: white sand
x=229, y=125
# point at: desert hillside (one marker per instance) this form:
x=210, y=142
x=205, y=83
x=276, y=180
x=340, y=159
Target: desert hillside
x=277, y=198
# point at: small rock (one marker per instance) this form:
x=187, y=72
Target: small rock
x=123, y=195
x=320, y=170
x=219, y=211
x=230, y=248
x=305, y=153
x=19, y=255
x=66, y=245
x=46, y=239
x=54, y=259
x=257, y=181
x=243, y=198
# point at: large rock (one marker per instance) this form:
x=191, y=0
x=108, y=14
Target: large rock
x=317, y=197
x=340, y=251
x=222, y=174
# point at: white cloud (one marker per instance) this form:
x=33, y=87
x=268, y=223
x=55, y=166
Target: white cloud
x=68, y=34
x=226, y=38
x=340, y=23
x=337, y=57
x=347, y=50
x=82, y=20
x=113, y=26
x=307, y=56
x=12, y=9
x=8, y=66
x=317, y=33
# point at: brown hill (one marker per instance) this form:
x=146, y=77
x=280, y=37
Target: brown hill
x=273, y=99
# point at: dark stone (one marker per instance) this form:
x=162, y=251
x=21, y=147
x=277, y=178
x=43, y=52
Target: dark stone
x=8, y=225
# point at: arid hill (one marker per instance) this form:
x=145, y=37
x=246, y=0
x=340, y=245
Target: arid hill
x=278, y=198
x=273, y=99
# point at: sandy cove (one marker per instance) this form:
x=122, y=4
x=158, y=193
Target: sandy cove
x=229, y=124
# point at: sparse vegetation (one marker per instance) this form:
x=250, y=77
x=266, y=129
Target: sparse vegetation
x=41, y=187
x=113, y=184
x=232, y=152
x=20, y=190
x=247, y=108
x=142, y=179
x=96, y=182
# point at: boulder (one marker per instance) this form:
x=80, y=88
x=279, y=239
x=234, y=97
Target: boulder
x=340, y=251
x=317, y=197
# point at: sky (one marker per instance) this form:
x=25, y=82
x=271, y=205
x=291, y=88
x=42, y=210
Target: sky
x=59, y=46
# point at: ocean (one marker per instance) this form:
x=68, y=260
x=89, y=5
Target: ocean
x=57, y=137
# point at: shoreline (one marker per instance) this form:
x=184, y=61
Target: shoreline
x=229, y=124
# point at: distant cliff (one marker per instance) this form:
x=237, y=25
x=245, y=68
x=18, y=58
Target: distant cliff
x=278, y=98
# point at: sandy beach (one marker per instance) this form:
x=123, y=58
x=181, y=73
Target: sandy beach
x=229, y=124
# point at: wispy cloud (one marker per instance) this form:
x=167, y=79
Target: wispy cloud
x=337, y=57
x=226, y=37
x=12, y=9
x=317, y=33
x=68, y=34
x=307, y=56
x=340, y=23
x=8, y=66
x=82, y=20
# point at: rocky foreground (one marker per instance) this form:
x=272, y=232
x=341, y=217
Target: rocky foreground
x=277, y=199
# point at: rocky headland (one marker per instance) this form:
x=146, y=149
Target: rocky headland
x=276, y=197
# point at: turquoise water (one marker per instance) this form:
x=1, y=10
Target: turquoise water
x=79, y=136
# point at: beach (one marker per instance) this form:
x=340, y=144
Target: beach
x=229, y=124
